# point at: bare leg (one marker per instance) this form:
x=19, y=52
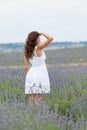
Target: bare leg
x=37, y=98
x=31, y=98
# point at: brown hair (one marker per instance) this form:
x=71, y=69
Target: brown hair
x=30, y=44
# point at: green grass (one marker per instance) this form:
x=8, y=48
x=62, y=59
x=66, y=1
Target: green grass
x=60, y=100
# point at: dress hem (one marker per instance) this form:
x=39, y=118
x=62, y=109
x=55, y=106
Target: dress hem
x=38, y=93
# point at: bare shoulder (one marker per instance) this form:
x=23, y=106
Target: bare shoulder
x=38, y=51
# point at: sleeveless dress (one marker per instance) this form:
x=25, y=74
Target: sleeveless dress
x=37, y=78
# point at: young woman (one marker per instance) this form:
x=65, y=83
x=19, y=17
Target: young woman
x=37, y=81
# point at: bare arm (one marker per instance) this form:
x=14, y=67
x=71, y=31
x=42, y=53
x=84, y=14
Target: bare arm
x=26, y=64
x=48, y=41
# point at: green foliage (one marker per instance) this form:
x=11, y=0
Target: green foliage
x=60, y=100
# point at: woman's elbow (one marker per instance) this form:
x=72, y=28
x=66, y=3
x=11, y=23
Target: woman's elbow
x=51, y=38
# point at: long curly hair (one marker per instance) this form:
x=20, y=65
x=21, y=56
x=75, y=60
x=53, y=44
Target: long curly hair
x=30, y=44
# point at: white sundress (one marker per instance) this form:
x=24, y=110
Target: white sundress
x=37, y=78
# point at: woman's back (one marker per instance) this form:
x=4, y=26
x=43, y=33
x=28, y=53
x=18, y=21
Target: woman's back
x=37, y=60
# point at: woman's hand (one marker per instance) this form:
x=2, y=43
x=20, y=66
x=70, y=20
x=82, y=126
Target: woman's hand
x=40, y=33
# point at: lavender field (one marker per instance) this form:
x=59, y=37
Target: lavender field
x=65, y=108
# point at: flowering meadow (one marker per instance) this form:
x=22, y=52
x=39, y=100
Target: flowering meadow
x=65, y=108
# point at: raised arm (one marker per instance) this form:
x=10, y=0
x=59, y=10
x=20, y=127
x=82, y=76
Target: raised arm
x=26, y=63
x=48, y=41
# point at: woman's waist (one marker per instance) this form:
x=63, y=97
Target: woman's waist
x=38, y=64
